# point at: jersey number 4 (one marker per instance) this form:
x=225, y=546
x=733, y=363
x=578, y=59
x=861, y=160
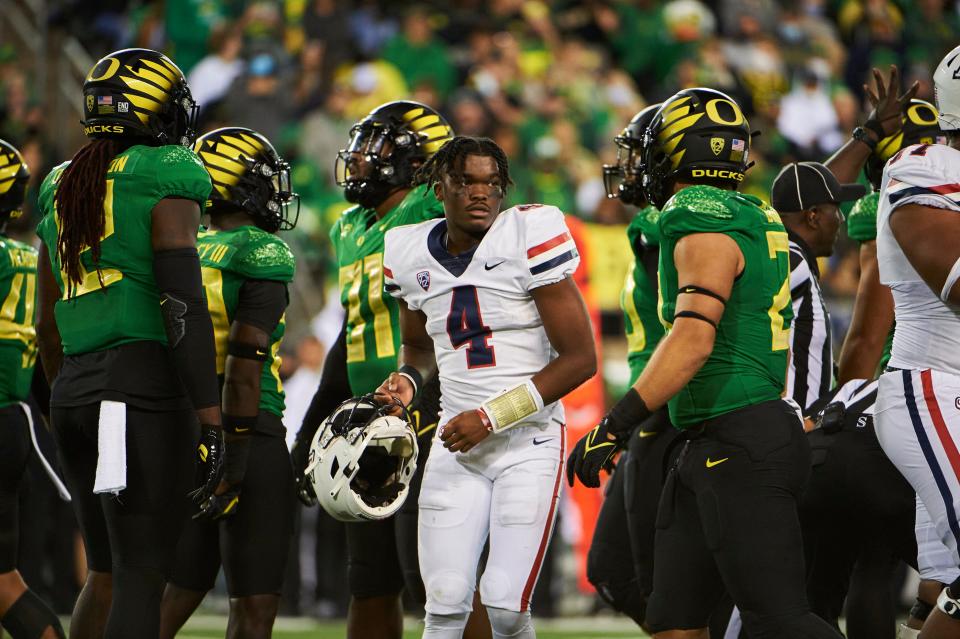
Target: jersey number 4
x=465, y=327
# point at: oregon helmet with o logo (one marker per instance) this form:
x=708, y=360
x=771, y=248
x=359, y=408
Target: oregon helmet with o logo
x=393, y=140
x=622, y=180
x=362, y=461
x=248, y=173
x=698, y=135
x=138, y=93
x=920, y=125
x=14, y=175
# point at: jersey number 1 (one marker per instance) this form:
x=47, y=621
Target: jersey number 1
x=465, y=326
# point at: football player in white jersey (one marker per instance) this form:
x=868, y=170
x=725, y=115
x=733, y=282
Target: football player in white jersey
x=918, y=251
x=487, y=298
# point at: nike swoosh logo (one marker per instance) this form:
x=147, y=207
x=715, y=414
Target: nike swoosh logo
x=241, y=430
x=537, y=442
x=647, y=433
x=711, y=464
x=490, y=267
x=259, y=352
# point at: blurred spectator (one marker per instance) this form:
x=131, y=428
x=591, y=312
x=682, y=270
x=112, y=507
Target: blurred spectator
x=327, y=30
x=189, y=24
x=260, y=98
x=211, y=78
x=421, y=58
x=302, y=384
x=807, y=118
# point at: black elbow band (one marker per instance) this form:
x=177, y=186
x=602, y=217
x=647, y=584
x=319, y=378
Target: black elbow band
x=696, y=315
x=187, y=323
x=693, y=289
x=246, y=350
x=238, y=423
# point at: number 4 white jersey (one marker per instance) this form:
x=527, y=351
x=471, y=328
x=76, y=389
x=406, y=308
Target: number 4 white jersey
x=486, y=329
x=928, y=329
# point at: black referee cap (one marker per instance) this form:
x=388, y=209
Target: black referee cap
x=803, y=185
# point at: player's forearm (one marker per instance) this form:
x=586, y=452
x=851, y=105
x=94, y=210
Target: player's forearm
x=241, y=387
x=848, y=161
x=51, y=350
x=675, y=361
x=566, y=372
x=420, y=357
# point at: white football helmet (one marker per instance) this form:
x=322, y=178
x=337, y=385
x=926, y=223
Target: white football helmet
x=946, y=88
x=362, y=461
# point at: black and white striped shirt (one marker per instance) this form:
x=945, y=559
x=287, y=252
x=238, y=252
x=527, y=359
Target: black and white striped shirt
x=811, y=371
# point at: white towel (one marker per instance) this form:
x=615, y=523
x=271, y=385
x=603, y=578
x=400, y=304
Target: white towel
x=61, y=489
x=112, y=448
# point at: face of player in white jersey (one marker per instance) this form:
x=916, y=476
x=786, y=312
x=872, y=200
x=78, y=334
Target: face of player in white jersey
x=471, y=199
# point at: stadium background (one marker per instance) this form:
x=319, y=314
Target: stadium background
x=551, y=81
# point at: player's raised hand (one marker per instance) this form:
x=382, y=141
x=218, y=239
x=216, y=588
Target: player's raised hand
x=886, y=117
x=464, y=431
x=395, y=388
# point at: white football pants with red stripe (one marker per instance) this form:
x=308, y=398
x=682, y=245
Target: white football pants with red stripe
x=507, y=488
x=917, y=419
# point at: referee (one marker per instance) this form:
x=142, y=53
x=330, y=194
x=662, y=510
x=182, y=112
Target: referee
x=808, y=198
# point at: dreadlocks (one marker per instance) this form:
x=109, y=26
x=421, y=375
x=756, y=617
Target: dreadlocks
x=450, y=158
x=79, y=206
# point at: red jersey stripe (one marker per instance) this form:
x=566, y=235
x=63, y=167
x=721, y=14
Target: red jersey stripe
x=388, y=272
x=549, y=244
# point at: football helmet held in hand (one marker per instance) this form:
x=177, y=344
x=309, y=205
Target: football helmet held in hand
x=362, y=461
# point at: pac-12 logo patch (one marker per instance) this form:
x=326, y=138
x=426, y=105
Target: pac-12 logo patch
x=423, y=279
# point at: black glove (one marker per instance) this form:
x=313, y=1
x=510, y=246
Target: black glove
x=596, y=449
x=300, y=456
x=226, y=503
x=210, y=454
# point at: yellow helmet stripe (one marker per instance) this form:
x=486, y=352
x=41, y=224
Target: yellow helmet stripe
x=243, y=145
x=413, y=114
x=9, y=172
x=166, y=69
x=254, y=142
x=675, y=159
x=223, y=190
x=6, y=158
x=145, y=87
x=158, y=79
x=675, y=131
x=222, y=162
x=143, y=102
x=674, y=113
x=223, y=178
x=436, y=132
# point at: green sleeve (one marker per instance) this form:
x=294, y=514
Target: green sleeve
x=862, y=221
x=706, y=209
x=420, y=205
x=266, y=257
x=180, y=173
x=48, y=188
x=644, y=227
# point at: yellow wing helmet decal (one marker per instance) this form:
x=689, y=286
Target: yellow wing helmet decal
x=10, y=166
x=150, y=86
x=225, y=157
x=921, y=114
x=431, y=127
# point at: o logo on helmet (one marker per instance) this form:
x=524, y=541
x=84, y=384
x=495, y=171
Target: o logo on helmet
x=714, y=114
x=916, y=112
x=111, y=69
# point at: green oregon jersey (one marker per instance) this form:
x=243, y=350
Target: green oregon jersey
x=228, y=259
x=18, y=337
x=120, y=304
x=638, y=299
x=373, y=324
x=862, y=227
x=749, y=360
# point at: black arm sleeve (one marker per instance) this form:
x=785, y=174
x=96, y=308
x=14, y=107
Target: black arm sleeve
x=40, y=389
x=187, y=322
x=261, y=304
x=333, y=390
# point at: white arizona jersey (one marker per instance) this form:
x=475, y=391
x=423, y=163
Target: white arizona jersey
x=928, y=329
x=487, y=332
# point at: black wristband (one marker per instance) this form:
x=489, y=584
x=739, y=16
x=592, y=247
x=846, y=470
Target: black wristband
x=628, y=413
x=235, y=459
x=246, y=350
x=238, y=423
x=860, y=135
x=876, y=127
x=415, y=376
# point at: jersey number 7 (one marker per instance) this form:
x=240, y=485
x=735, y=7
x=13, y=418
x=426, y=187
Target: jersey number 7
x=465, y=326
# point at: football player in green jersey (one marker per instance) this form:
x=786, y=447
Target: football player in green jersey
x=126, y=338
x=620, y=559
x=22, y=612
x=728, y=514
x=246, y=270
x=376, y=172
